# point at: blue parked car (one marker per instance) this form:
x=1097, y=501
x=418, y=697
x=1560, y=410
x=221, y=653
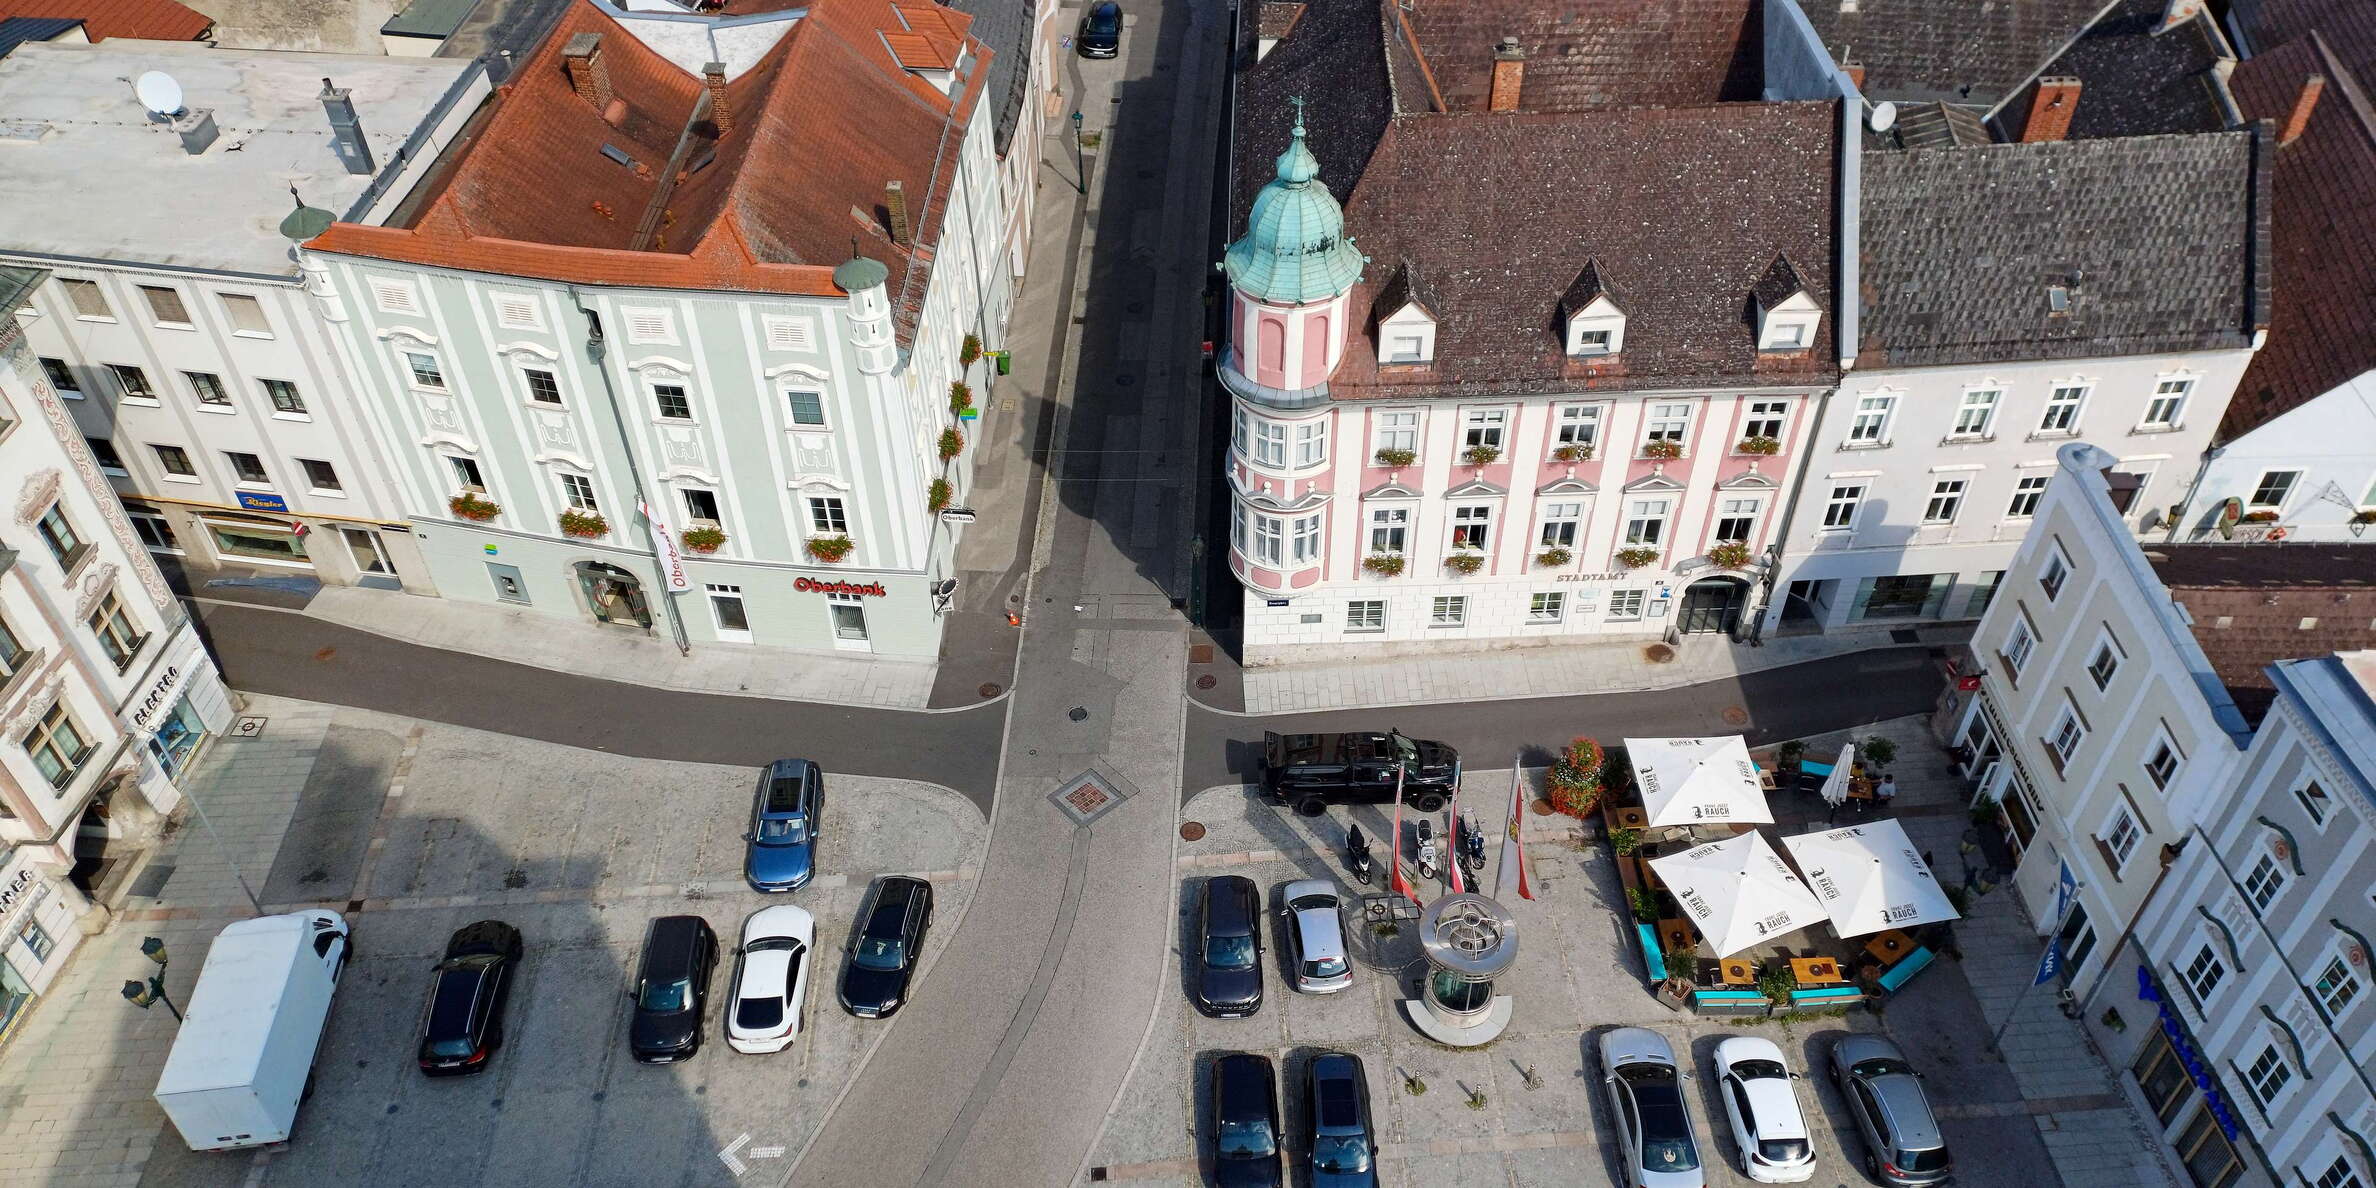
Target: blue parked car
x=785, y=813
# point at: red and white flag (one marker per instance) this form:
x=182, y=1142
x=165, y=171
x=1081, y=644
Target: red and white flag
x=1512, y=878
x=1394, y=875
x=1452, y=879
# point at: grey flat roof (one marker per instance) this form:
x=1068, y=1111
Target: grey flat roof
x=429, y=18
x=84, y=173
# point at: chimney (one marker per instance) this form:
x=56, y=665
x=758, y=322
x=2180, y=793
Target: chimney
x=1509, y=74
x=895, y=211
x=346, y=132
x=196, y=127
x=2176, y=13
x=589, y=75
x=2051, y=110
x=713, y=77
x=2297, y=121
x=1855, y=73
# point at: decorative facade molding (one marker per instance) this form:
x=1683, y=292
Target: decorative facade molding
x=40, y=488
x=95, y=586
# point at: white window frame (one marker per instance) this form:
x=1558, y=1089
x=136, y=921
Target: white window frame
x=2338, y=997
x=1394, y=429
x=1393, y=520
x=1667, y=420
x=2067, y=735
x=711, y=595
x=2268, y=1076
x=1370, y=618
x=462, y=468
x=2021, y=641
x=684, y=393
x=2054, y=574
x=577, y=492
x=1304, y=539
x=1311, y=443
x=1576, y=425
x=2163, y=761
x=1975, y=415
x=1489, y=427
x=1626, y=606
x=1840, y=511
x=1646, y=523
x=791, y=415
x=1869, y=423
x=2205, y=973
x=1745, y=510
x=1448, y=610
x=2339, y=1174
x=2166, y=409
x=2285, y=492
x=827, y=516
x=1269, y=443
x=2065, y=403
x=412, y=360
x=685, y=496
x=2315, y=802
x=1270, y=540
x=1562, y=525
x=2121, y=836
x=2028, y=489
x=1473, y=523
x=2265, y=882
x=1946, y=500
x=2107, y=656
x=1765, y=418
x=1546, y=606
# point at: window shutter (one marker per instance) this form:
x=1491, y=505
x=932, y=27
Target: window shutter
x=789, y=334
x=648, y=326
x=516, y=312
x=395, y=297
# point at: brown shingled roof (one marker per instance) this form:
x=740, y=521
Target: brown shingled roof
x=2256, y=604
x=1669, y=53
x=819, y=125
x=148, y=20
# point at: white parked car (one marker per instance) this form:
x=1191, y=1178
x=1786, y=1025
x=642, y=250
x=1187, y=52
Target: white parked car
x=1762, y=1103
x=771, y=979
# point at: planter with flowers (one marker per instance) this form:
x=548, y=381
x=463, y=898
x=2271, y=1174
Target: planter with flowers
x=969, y=351
x=1553, y=558
x=960, y=397
x=1662, y=450
x=704, y=539
x=584, y=524
x=1637, y=557
x=1465, y=561
x=1394, y=459
x=471, y=506
x=1573, y=453
x=1758, y=447
x=2263, y=516
x=951, y=444
x=937, y=496
x=1481, y=455
x=1384, y=564
x=1730, y=554
x=829, y=549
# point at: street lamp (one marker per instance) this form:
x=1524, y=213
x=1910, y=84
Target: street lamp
x=141, y=994
x=1080, y=167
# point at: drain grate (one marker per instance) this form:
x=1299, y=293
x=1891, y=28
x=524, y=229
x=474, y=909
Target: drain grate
x=1090, y=795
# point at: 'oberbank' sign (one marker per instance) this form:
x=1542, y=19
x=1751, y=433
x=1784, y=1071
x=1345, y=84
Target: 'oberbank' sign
x=813, y=586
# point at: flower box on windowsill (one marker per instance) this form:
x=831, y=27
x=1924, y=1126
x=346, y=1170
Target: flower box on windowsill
x=1662, y=450
x=1553, y=558
x=1394, y=459
x=704, y=538
x=1481, y=455
x=1758, y=447
x=828, y=549
x=937, y=496
x=1465, y=561
x=585, y=525
x=1572, y=453
x=1384, y=564
x=471, y=505
x=1637, y=558
x=2258, y=517
x=1731, y=554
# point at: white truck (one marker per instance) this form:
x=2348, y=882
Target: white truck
x=245, y=1051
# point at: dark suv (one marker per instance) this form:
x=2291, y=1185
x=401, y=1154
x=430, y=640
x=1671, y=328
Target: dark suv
x=464, y=1021
x=884, y=947
x=671, y=989
x=1246, y=1123
x=1344, y=1144
x=1903, y=1146
x=1313, y=771
x=785, y=813
x=1229, y=947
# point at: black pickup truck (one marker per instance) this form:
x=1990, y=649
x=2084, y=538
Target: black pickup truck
x=1313, y=771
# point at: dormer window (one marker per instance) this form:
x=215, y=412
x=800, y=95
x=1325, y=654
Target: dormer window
x=1786, y=314
x=1406, y=321
x=1594, y=322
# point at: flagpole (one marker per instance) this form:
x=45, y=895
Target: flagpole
x=1510, y=879
x=1453, y=879
x=1394, y=877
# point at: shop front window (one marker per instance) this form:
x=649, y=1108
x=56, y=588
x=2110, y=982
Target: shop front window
x=177, y=739
x=256, y=543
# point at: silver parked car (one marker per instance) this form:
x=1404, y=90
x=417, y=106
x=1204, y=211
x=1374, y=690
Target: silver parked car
x=1317, y=932
x=1653, y=1119
x=1903, y=1146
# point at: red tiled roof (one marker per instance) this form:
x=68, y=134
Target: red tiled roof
x=2322, y=327
x=148, y=20
x=818, y=126
x=915, y=51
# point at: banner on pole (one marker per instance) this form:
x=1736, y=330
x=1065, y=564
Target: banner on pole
x=1511, y=879
x=2049, y=962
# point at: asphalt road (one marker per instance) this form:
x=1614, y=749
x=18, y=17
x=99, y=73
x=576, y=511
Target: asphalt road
x=1779, y=703
x=276, y=652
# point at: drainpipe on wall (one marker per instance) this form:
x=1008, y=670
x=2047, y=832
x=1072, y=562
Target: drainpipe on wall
x=2186, y=505
x=595, y=353
x=1798, y=484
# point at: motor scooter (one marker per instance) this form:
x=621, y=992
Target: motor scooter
x=1357, y=854
x=1427, y=850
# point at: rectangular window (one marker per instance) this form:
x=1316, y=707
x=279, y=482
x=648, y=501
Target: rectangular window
x=2026, y=492
x=36, y=940
x=133, y=381
x=1397, y=431
x=1592, y=342
x=1870, y=426
x=2265, y=881
x=1579, y=425
x=2105, y=662
x=1270, y=443
x=2336, y=986
x=1625, y=604
x=1389, y=529
x=57, y=746
x=2078, y=938
x=60, y=536
x=166, y=305
x=2275, y=488
x=578, y=492
x=1484, y=427
x=2120, y=839
x=1546, y=608
x=2162, y=767
x=12, y=652
x=425, y=371
x=2209, y=1157
x=1983, y=592
x=2268, y=1076
x=2018, y=644
x=87, y=300
x=284, y=397
x=1448, y=610
x=175, y=461
x=2205, y=972
x=248, y=468
x=1839, y=513
x=1765, y=419
x=1365, y=614
x=2056, y=572
x=1946, y=499
x=673, y=404
x=726, y=607
x=702, y=506
x=1645, y=526
x=808, y=408
x=2063, y=741
x=2168, y=404
x=61, y=376
x=466, y=473
x=1472, y=525
x=1561, y=523
x=246, y=314
x=209, y=388
x=1668, y=422
x=826, y=517
x=1306, y=542
x=2062, y=410
x=543, y=388
x=1736, y=519
x=320, y=475
x=1311, y=443
x=1269, y=539
x=154, y=531
x=104, y=453
x=2338, y=1175
x=1406, y=348
x=114, y=630
x=1977, y=414
x=2314, y=802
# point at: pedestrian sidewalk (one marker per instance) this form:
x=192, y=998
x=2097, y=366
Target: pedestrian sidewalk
x=1559, y=670
x=630, y=657
x=75, y=1081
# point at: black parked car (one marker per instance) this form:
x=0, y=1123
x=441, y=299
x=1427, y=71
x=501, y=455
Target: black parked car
x=671, y=990
x=1229, y=947
x=1101, y=31
x=1313, y=771
x=1246, y=1123
x=884, y=947
x=463, y=1024
x=1344, y=1145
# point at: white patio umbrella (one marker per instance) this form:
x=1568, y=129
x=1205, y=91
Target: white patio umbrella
x=1697, y=781
x=1835, y=785
x=1738, y=892
x=1869, y=877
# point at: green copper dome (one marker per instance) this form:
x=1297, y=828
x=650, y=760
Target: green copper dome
x=1294, y=249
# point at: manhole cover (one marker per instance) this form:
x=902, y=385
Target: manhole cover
x=1735, y=716
x=1658, y=653
x=1090, y=795
x=990, y=689
x=1542, y=808
x=325, y=653
x=1206, y=681
x=1077, y=714
x=1192, y=831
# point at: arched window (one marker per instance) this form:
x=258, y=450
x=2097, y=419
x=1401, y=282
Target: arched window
x=1271, y=351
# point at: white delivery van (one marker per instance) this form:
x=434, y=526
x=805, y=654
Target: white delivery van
x=246, y=1048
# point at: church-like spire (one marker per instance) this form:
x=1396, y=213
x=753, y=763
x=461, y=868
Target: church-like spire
x=1294, y=249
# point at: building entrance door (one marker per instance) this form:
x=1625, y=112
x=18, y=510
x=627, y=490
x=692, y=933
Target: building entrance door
x=614, y=595
x=1712, y=605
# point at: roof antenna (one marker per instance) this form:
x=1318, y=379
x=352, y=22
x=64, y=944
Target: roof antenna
x=853, y=247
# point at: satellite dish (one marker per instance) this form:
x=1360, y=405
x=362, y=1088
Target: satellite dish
x=1884, y=116
x=158, y=93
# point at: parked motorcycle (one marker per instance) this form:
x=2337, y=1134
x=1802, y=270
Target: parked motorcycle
x=1357, y=854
